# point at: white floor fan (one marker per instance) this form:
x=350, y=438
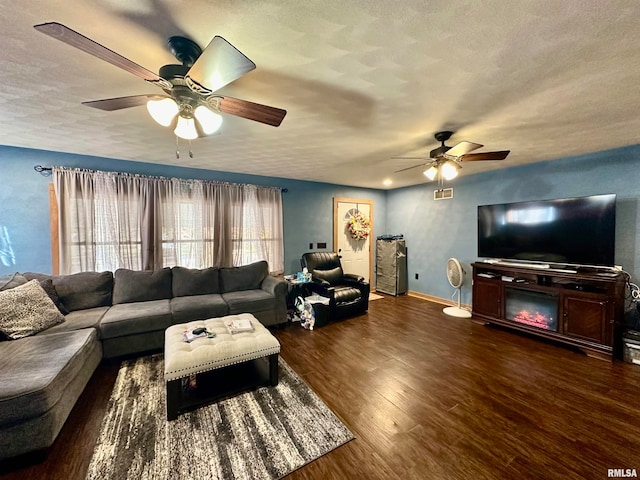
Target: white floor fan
x=455, y=275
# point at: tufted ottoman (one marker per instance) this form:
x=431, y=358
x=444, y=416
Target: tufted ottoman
x=224, y=365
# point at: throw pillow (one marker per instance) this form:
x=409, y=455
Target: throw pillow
x=50, y=290
x=26, y=310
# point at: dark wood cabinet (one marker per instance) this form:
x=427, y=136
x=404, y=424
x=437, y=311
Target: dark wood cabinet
x=587, y=317
x=487, y=298
x=579, y=308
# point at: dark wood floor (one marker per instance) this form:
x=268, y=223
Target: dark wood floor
x=430, y=397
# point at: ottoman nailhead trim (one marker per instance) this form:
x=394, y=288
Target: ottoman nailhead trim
x=228, y=361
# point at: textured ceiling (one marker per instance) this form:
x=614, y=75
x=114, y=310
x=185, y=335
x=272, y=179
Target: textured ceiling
x=362, y=81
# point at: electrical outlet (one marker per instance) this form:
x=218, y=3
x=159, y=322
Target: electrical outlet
x=322, y=244
x=311, y=246
x=417, y=276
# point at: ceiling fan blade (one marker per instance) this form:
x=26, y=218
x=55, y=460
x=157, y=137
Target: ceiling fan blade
x=253, y=111
x=463, y=148
x=219, y=64
x=118, y=103
x=77, y=40
x=501, y=155
x=410, y=168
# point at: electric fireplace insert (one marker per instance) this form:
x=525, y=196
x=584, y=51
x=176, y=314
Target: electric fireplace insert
x=536, y=309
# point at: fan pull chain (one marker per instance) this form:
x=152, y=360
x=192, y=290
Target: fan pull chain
x=178, y=148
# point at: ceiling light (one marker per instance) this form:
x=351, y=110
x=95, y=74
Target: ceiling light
x=431, y=172
x=186, y=128
x=209, y=121
x=163, y=111
x=387, y=181
x=449, y=170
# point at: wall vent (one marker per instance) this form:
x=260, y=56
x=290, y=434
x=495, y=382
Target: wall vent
x=443, y=194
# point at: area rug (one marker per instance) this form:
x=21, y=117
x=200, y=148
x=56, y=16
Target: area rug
x=262, y=434
x=374, y=296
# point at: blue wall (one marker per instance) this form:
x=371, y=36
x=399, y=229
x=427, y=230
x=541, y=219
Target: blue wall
x=438, y=230
x=434, y=230
x=24, y=203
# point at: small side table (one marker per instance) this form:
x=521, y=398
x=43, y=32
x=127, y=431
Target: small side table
x=295, y=289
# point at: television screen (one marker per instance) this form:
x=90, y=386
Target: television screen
x=577, y=231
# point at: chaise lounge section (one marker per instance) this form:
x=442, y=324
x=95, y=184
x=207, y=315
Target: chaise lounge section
x=40, y=380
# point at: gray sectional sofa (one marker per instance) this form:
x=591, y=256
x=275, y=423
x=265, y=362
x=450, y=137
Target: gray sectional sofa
x=107, y=316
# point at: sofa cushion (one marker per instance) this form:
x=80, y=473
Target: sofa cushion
x=27, y=309
x=247, y=277
x=333, y=276
x=141, y=286
x=134, y=318
x=249, y=301
x=198, y=307
x=80, y=290
x=13, y=280
x=35, y=371
x=79, y=319
x=193, y=281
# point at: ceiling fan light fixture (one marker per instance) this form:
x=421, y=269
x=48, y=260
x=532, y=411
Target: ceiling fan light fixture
x=163, y=111
x=431, y=172
x=186, y=128
x=209, y=121
x=449, y=170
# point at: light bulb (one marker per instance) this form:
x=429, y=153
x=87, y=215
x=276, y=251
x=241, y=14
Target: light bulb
x=449, y=170
x=163, y=111
x=186, y=128
x=431, y=172
x=209, y=121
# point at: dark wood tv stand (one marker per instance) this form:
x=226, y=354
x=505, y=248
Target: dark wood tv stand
x=590, y=304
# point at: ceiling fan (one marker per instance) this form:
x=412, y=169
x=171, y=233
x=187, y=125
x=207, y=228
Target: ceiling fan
x=190, y=103
x=444, y=161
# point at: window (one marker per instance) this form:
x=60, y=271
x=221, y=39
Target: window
x=111, y=220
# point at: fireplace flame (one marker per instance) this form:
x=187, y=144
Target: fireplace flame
x=534, y=319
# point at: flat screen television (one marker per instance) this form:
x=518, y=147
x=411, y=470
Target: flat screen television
x=568, y=231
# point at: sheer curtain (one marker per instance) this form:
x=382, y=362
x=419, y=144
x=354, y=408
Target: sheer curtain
x=112, y=220
x=261, y=233
x=100, y=220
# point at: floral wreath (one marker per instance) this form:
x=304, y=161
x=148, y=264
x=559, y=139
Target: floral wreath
x=359, y=226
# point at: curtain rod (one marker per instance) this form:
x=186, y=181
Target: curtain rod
x=46, y=171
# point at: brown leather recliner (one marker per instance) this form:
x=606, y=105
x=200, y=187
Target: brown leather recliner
x=348, y=293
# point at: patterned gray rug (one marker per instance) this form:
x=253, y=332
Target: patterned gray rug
x=263, y=434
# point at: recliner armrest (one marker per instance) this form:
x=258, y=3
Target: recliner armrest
x=319, y=281
x=350, y=277
x=322, y=288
